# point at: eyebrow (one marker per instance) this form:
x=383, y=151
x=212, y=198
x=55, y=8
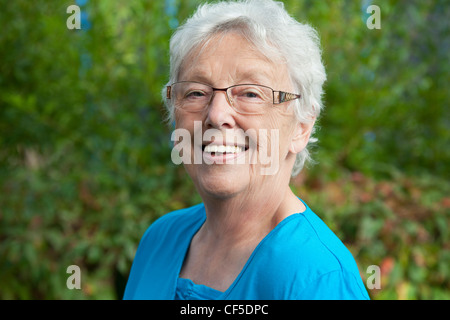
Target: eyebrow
x=257, y=76
x=199, y=77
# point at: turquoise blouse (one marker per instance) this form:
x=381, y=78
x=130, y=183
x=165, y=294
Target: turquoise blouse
x=301, y=258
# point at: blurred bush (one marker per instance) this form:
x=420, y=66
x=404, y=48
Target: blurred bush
x=85, y=155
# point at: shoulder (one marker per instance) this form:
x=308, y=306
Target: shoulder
x=160, y=253
x=174, y=223
x=308, y=243
x=303, y=248
x=172, y=219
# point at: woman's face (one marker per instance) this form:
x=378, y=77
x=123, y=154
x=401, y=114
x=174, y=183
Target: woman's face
x=267, y=143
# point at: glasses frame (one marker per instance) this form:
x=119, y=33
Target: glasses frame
x=277, y=95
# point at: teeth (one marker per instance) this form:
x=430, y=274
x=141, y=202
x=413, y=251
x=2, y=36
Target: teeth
x=223, y=149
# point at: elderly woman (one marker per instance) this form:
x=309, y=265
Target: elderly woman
x=245, y=84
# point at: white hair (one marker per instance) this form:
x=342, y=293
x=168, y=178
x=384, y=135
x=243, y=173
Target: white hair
x=267, y=25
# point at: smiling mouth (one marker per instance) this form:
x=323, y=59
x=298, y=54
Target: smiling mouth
x=223, y=149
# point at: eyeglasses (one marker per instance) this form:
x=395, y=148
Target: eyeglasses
x=194, y=96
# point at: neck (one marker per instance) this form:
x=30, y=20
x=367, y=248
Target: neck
x=235, y=220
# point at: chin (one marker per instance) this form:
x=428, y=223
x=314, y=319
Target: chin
x=221, y=182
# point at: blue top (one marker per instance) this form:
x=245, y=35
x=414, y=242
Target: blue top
x=301, y=258
x=188, y=290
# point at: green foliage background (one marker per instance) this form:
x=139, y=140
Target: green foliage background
x=85, y=155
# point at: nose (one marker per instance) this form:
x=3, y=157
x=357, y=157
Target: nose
x=220, y=114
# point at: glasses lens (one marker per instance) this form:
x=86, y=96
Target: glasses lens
x=251, y=99
x=191, y=96
x=244, y=98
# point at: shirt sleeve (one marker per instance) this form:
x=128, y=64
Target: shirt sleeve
x=334, y=285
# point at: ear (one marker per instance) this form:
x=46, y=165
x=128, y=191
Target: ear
x=301, y=135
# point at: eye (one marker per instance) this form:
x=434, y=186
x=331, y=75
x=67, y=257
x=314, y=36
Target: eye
x=248, y=93
x=194, y=94
x=251, y=95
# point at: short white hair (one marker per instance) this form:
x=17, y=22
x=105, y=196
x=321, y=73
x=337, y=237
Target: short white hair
x=267, y=25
